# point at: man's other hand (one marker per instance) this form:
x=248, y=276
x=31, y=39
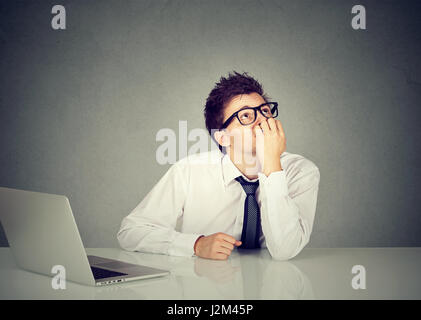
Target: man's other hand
x=216, y=246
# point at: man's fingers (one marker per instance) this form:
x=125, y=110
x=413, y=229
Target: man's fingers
x=280, y=128
x=223, y=250
x=264, y=125
x=230, y=246
x=227, y=245
x=272, y=124
x=221, y=256
x=228, y=238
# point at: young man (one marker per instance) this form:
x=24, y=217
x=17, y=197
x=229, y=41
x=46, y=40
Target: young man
x=249, y=194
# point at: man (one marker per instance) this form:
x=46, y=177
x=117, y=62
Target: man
x=249, y=194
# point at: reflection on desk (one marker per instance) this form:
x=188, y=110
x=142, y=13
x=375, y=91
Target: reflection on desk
x=392, y=273
x=245, y=275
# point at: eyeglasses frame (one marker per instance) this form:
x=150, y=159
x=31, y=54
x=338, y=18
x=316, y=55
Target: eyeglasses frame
x=235, y=114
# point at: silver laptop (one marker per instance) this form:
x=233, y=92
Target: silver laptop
x=42, y=233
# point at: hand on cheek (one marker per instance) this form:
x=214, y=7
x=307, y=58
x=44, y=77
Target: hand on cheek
x=270, y=144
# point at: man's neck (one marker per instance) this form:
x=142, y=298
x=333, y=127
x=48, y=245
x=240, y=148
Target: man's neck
x=247, y=163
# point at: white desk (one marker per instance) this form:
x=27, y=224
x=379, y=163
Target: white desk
x=391, y=273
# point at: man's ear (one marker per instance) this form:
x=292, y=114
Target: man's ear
x=222, y=137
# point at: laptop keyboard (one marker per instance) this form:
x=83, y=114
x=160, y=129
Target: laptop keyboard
x=103, y=273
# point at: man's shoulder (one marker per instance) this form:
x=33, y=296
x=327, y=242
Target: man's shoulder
x=293, y=162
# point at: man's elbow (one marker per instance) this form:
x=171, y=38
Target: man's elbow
x=123, y=241
x=282, y=255
x=286, y=253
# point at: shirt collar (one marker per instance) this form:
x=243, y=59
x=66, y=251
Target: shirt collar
x=230, y=171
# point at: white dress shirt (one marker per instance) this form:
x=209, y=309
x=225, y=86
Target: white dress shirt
x=200, y=196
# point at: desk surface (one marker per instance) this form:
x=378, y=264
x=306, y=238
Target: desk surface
x=391, y=273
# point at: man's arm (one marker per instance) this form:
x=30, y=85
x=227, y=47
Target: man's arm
x=150, y=227
x=287, y=212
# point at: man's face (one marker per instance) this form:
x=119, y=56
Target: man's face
x=242, y=137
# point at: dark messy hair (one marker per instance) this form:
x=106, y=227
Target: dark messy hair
x=224, y=90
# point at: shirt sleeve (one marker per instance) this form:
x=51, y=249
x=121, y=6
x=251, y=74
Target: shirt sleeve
x=150, y=227
x=288, y=209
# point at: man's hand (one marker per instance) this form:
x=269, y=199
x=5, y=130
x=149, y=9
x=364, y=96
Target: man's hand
x=217, y=246
x=270, y=144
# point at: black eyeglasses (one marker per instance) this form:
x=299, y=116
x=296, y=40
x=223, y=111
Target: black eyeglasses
x=248, y=115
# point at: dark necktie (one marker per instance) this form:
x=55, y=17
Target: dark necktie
x=251, y=225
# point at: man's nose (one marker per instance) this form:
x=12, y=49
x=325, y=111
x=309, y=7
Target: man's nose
x=259, y=119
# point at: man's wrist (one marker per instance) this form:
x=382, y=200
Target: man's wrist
x=196, y=242
x=274, y=166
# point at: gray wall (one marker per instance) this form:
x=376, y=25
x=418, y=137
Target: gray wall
x=80, y=108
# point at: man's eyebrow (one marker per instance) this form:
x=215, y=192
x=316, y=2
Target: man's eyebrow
x=246, y=106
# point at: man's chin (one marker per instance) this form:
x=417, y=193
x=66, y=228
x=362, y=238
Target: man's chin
x=247, y=152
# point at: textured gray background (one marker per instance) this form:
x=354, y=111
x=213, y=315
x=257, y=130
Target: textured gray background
x=80, y=108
